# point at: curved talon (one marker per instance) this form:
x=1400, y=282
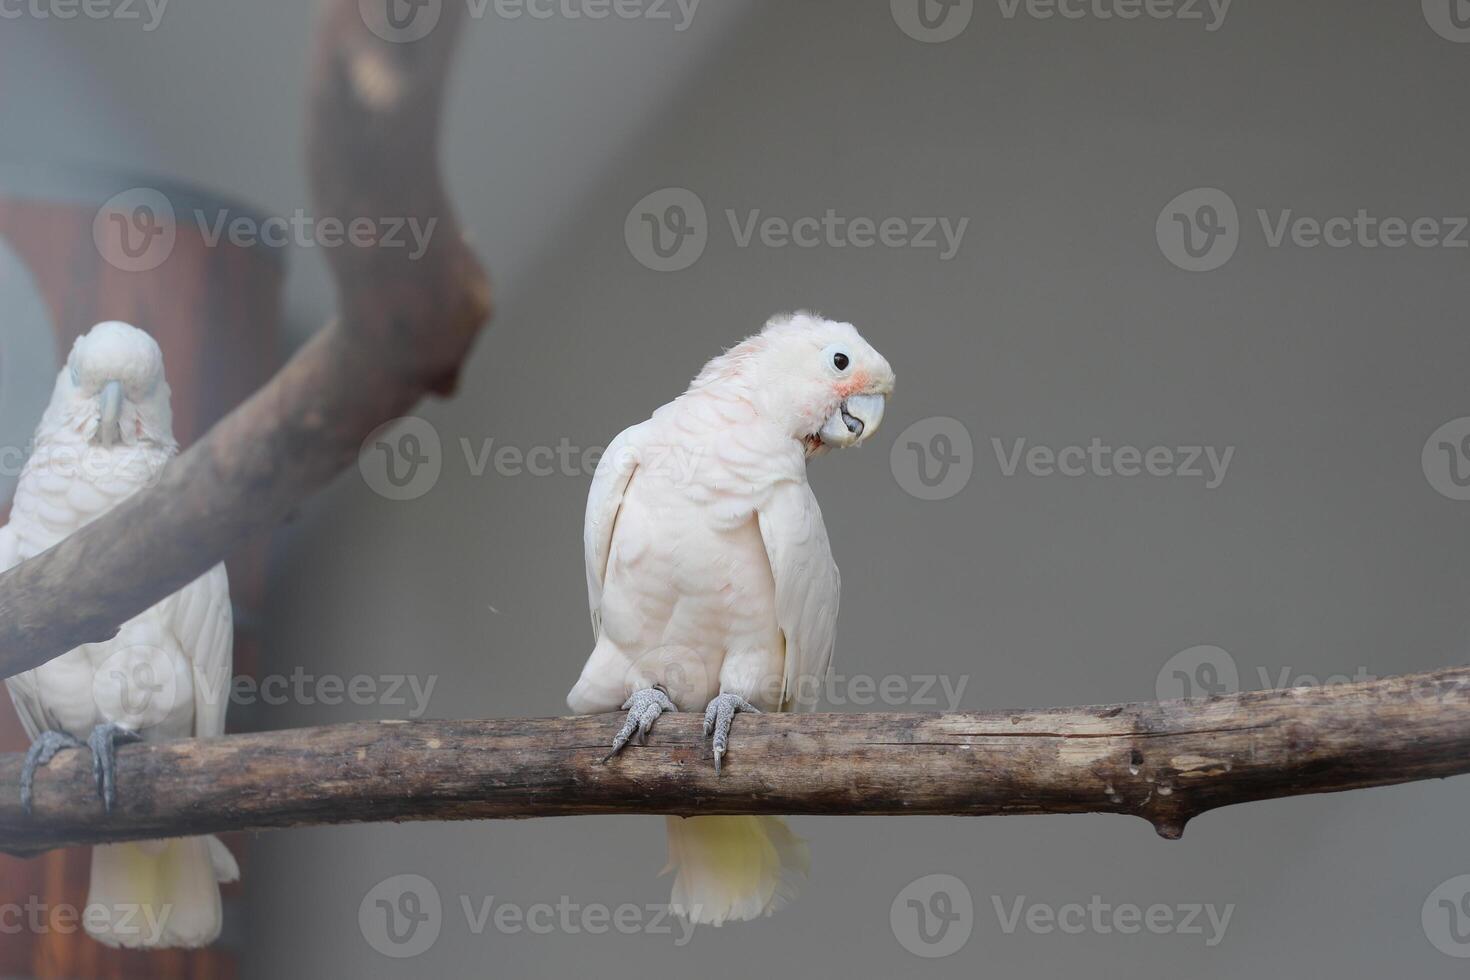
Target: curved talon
x=644, y=708
x=46, y=745
x=718, y=716
x=103, y=742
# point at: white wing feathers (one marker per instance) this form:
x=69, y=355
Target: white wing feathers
x=23, y=689
x=807, y=589
x=604, y=499
x=203, y=622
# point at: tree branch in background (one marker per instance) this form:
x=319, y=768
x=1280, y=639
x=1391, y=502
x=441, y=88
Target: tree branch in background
x=405, y=328
x=1166, y=762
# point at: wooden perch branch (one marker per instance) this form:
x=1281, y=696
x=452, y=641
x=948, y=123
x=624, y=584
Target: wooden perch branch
x=1166, y=762
x=405, y=328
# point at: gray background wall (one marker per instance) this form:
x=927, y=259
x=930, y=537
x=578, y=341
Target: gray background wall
x=1327, y=549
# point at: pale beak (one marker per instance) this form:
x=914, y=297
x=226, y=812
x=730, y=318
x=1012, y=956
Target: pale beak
x=109, y=424
x=854, y=422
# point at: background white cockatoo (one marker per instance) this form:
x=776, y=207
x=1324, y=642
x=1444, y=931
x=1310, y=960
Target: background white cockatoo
x=711, y=580
x=107, y=433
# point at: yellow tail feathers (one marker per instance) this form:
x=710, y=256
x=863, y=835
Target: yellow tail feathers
x=730, y=869
x=153, y=894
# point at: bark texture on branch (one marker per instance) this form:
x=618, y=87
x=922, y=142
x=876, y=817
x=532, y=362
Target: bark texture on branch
x=1165, y=762
x=405, y=328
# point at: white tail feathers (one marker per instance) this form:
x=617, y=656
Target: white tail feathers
x=162, y=893
x=730, y=869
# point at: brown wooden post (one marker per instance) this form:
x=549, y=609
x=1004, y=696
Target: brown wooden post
x=215, y=310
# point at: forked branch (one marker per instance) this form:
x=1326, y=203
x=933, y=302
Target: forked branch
x=404, y=329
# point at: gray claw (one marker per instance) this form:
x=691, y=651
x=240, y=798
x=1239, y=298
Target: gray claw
x=103, y=742
x=718, y=717
x=46, y=745
x=644, y=708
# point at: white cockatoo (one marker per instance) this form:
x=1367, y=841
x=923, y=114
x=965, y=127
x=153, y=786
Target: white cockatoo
x=711, y=579
x=107, y=433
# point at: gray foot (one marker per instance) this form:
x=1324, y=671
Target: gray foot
x=103, y=742
x=643, y=709
x=40, y=753
x=717, y=718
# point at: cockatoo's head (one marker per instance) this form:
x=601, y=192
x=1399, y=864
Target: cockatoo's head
x=818, y=380
x=112, y=388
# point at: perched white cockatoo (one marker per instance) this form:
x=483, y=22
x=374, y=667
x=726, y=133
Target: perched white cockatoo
x=107, y=433
x=711, y=580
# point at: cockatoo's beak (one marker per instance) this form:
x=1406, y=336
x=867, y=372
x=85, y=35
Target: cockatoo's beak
x=109, y=423
x=854, y=422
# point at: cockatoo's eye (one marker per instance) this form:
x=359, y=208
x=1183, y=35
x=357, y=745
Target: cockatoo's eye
x=837, y=357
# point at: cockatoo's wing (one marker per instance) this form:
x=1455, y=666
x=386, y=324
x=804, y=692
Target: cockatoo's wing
x=23, y=688
x=202, y=621
x=807, y=588
x=610, y=481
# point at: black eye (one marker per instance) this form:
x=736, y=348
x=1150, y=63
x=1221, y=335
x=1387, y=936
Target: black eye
x=839, y=361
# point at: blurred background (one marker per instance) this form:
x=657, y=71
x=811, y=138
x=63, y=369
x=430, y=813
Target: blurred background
x=1093, y=216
